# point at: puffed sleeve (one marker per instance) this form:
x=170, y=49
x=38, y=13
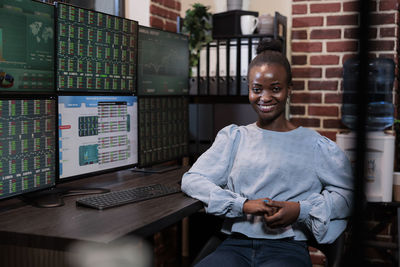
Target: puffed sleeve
x=325, y=213
x=207, y=178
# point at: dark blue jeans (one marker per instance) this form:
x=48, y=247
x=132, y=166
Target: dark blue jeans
x=258, y=252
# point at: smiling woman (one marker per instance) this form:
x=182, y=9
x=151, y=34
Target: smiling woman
x=275, y=183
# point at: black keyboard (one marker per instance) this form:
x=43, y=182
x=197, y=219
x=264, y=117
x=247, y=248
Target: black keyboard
x=121, y=197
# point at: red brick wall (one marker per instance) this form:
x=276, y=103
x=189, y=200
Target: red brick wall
x=163, y=14
x=323, y=38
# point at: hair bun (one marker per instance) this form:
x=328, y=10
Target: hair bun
x=269, y=44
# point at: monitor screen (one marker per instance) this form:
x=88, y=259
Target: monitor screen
x=96, y=133
x=27, y=145
x=163, y=62
x=163, y=129
x=96, y=52
x=26, y=46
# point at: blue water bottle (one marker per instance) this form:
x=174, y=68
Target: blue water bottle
x=379, y=93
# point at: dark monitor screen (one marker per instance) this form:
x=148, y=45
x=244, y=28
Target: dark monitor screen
x=163, y=129
x=96, y=52
x=26, y=46
x=163, y=62
x=27, y=145
x=96, y=133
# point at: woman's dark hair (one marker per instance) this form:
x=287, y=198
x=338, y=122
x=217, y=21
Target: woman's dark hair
x=269, y=51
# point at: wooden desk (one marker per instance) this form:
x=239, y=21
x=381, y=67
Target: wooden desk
x=56, y=228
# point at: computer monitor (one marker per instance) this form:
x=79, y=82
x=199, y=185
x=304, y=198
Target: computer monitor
x=163, y=63
x=163, y=129
x=96, y=52
x=27, y=145
x=26, y=46
x=96, y=133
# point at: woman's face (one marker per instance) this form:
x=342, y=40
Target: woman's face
x=268, y=92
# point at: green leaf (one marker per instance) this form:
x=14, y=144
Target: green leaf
x=197, y=25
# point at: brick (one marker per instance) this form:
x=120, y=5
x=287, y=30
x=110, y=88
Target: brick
x=383, y=18
x=330, y=134
x=342, y=46
x=387, y=32
x=373, y=6
x=324, y=60
x=381, y=45
x=307, y=122
x=178, y=6
x=169, y=3
x=306, y=47
x=159, y=11
x=391, y=56
x=303, y=98
x=299, y=60
x=350, y=6
x=161, y=2
x=324, y=8
x=342, y=20
x=307, y=22
x=348, y=56
x=170, y=26
x=297, y=110
x=333, y=72
x=156, y=22
x=353, y=6
x=172, y=15
x=352, y=33
x=299, y=9
x=386, y=5
x=325, y=34
x=328, y=111
x=333, y=124
x=323, y=85
x=299, y=72
x=299, y=35
x=334, y=98
x=298, y=85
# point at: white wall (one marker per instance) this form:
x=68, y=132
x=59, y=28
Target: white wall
x=138, y=10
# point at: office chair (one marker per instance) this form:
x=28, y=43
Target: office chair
x=333, y=252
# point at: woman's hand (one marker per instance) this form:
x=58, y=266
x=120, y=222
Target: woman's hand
x=258, y=207
x=287, y=213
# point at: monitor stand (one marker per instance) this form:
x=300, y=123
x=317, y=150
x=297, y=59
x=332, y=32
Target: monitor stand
x=157, y=169
x=54, y=197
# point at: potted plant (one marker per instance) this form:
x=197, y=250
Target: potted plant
x=197, y=25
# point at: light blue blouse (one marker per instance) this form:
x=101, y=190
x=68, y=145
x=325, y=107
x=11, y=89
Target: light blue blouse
x=247, y=162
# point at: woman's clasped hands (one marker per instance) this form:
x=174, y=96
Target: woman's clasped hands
x=276, y=213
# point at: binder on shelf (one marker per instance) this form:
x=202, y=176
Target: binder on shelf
x=223, y=87
x=213, y=90
x=202, y=85
x=193, y=85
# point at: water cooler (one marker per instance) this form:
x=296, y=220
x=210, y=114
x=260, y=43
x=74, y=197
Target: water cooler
x=380, y=145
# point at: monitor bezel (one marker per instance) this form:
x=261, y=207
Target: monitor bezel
x=54, y=181
x=61, y=180
x=139, y=93
x=130, y=92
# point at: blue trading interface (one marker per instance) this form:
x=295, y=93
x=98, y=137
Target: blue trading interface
x=27, y=145
x=96, y=51
x=96, y=133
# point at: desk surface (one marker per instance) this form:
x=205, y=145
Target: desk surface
x=56, y=228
